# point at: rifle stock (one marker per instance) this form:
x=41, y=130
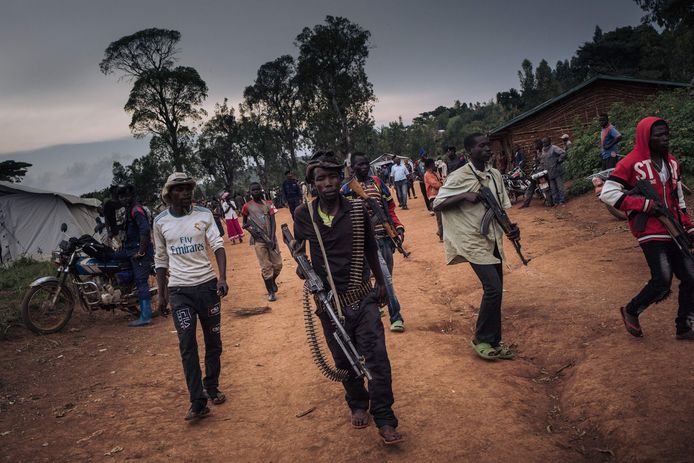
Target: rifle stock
x=382, y=216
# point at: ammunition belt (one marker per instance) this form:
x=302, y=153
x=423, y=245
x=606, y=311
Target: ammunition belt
x=356, y=268
x=354, y=296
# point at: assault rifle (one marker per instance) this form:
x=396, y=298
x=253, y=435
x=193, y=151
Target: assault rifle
x=495, y=211
x=662, y=213
x=259, y=234
x=380, y=215
x=324, y=299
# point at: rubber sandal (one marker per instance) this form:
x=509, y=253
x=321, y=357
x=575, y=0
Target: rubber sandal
x=361, y=426
x=194, y=415
x=398, y=326
x=505, y=352
x=485, y=350
x=631, y=323
x=395, y=441
x=218, y=399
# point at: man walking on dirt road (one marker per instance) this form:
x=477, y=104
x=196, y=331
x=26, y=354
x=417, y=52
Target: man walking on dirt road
x=650, y=160
x=340, y=234
x=259, y=217
x=381, y=193
x=462, y=212
x=182, y=235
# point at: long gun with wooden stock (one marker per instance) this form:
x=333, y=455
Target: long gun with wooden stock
x=259, y=234
x=662, y=213
x=380, y=215
x=495, y=211
x=315, y=286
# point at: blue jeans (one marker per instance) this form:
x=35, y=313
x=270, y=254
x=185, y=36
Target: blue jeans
x=556, y=185
x=401, y=192
x=386, y=250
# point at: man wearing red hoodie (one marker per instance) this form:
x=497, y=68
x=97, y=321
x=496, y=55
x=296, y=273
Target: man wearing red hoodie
x=651, y=160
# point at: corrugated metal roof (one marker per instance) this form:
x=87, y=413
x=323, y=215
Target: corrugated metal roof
x=573, y=90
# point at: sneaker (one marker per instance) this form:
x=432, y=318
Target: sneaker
x=398, y=326
x=631, y=323
x=196, y=414
x=686, y=336
x=432, y=213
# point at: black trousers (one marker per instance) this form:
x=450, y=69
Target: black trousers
x=365, y=329
x=488, y=327
x=410, y=189
x=423, y=189
x=664, y=259
x=609, y=163
x=293, y=203
x=188, y=304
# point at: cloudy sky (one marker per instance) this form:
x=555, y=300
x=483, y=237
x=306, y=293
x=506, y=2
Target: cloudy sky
x=60, y=113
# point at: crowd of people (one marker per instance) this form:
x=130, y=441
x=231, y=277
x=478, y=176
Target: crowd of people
x=352, y=229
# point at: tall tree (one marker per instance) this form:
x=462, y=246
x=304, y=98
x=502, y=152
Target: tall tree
x=219, y=146
x=338, y=97
x=261, y=144
x=275, y=92
x=527, y=83
x=163, y=98
x=13, y=171
x=668, y=13
x=546, y=85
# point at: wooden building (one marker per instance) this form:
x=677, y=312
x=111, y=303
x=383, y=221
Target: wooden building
x=581, y=104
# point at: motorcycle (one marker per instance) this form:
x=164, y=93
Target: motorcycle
x=516, y=183
x=539, y=175
x=86, y=273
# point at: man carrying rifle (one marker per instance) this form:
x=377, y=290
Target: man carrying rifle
x=259, y=220
x=341, y=236
x=462, y=215
x=660, y=223
x=375, y=189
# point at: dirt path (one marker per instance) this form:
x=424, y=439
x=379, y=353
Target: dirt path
x=582, y=389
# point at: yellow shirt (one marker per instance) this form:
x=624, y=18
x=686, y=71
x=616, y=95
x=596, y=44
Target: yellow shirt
x=326, y=218
x=462, y=239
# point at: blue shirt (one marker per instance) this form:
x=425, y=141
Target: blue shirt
x=607, y=136
x=136, y=227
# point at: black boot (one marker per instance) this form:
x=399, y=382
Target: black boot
x=270, y=290
x=274, y=284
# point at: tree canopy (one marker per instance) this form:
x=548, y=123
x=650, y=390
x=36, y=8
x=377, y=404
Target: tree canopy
x=13, y=171
x=163, y=98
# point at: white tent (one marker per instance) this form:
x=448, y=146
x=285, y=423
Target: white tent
x=387, y=159
x=30, y=220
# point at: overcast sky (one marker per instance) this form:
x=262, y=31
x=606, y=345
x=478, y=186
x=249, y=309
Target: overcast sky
x=424, y=54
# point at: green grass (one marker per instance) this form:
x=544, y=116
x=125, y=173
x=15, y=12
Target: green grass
x=14, y=281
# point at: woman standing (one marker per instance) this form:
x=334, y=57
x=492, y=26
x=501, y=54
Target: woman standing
x=232, y=219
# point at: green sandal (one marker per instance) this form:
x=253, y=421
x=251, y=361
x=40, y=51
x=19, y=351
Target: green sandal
x=485, y=350
x=505, y=352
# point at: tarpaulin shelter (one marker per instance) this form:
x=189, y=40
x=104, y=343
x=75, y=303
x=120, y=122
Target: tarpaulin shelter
x=30, y=220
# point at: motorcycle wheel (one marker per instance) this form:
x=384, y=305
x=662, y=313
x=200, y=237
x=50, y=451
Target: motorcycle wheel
x=40, y=315
x=616, y=213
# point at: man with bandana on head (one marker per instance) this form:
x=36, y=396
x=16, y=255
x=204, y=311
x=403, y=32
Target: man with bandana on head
x=347, y=239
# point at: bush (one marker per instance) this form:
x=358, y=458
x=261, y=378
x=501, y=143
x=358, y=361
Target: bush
x=14, y=281
x=673, y=106
x=579, y=187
